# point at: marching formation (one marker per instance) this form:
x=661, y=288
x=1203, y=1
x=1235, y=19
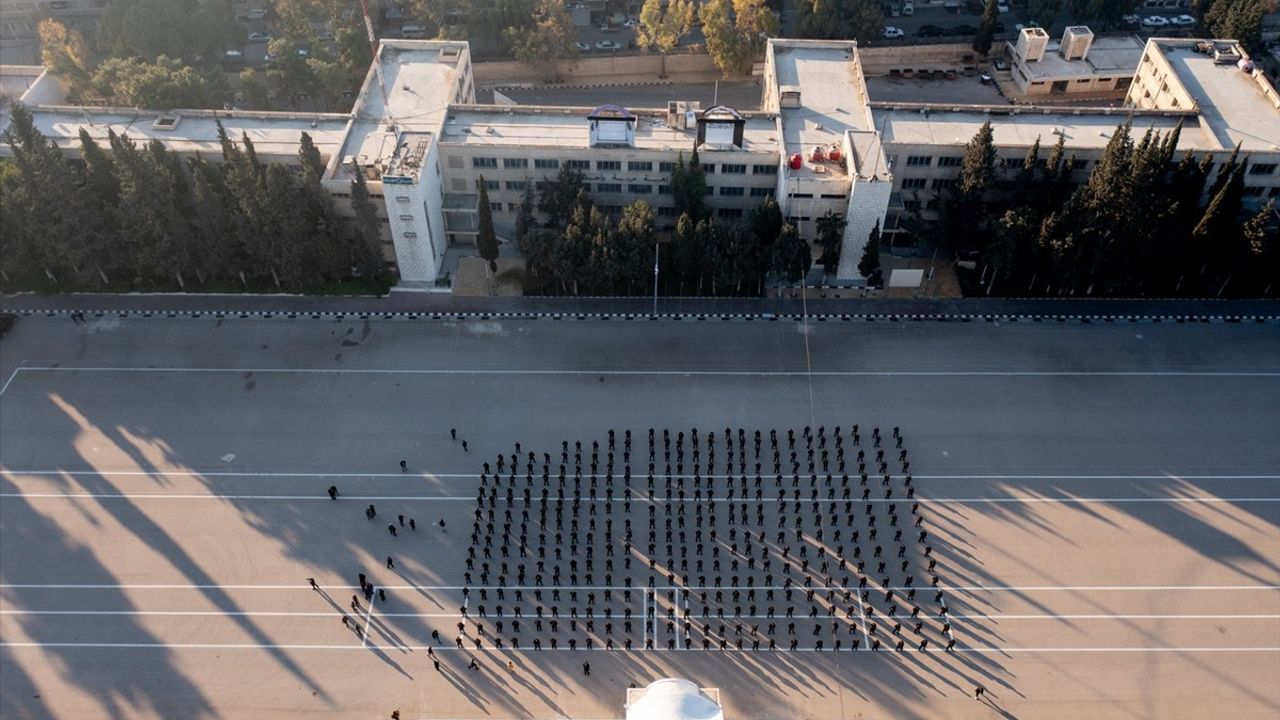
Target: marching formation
x=733, y=540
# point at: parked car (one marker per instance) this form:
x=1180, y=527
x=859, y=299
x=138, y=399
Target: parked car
x=1155, y=21
x=931, y=31
x=608, y=45
x=631, y=22
x=963, y=30
x=1002, y=7
x=582, y=47
x=1182, y=21
x=1130, y=21
x=892, y=33
x=259, y=36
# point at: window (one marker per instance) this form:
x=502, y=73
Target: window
x=406, y=218
x=943, y=183
x=640, y=189
x=950, y=161
x=911, y=204
x=488, y=184
x=1011, y=163
x=1262, y=169
x=484, y=162
x=919, y=160
x=932, y=204
x=1078, y=164
x=515, y=163
x=578, y=164
x=729, y=212
x=764, y=169
x=666, y=167
x=402, y=199
x=802, y=195
x=608, y=165
x=664, y=189
x=709, y=169
x=710, y=190
x=546, y=164
x=832, y=196
x=495, y=206
x=513, y=207
x=410, y=235
x=731, y=191
x=733, y=169
x=455, y=162
x=666, y=212
x=1254, y=191
x=761, y=192
x=639, y=165
x=913, y=183
x=516, y=185
x=609, y=187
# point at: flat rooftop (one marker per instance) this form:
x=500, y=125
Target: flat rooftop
x=1082, y=131
x=274, y=135
x=1107, y=56
x=15, y=80
x=1231, y=101
x=567, y=127
x=420, y=77
x=832, y=92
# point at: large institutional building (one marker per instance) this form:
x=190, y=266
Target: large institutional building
x=818, y=142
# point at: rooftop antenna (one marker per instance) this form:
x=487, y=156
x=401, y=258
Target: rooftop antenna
x=373, y=47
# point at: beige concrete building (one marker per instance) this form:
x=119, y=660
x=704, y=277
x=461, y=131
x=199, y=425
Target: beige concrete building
x=818, y=143
x=1078, y=63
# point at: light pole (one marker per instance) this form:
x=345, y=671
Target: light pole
x=655, y=278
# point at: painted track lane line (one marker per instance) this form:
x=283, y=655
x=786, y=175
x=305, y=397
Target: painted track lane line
x=476, y=475
x=681, y=373
x=466, y=498
x=289, y=646
x=7, y=383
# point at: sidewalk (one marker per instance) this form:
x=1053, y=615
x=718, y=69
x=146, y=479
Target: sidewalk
x=420, y=304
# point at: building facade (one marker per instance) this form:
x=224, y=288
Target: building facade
x=817, y=144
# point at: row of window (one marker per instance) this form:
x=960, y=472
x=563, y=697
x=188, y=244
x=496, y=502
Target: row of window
x=632, y=188
x=666, y=212
x=631, y=165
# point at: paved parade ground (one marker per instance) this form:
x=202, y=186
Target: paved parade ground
x=1090, y=512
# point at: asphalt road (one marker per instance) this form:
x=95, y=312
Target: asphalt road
x=1103, y=500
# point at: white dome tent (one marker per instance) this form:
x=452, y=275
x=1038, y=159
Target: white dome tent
x=673, y=699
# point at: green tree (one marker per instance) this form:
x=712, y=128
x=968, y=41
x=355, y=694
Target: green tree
x=1236, y=19
x=1043, y=11
x=366, y=250
x=631, y=248
x=1219, y=227
x=187, y=29
x=689, y=188
x=254, y=86
x=662, y=26
x=830, y=238
x=792, y=257
x=486, y=239
x=963, y=207
x=164, y=84
x=213, y=227
x=557, y=198
x=865, y=19
x=869, y=263
x=551, y=38
x=290, y=73
x=987, y=31
x=524, y=217
x=737, y=32
x=821, y=20
x=66, y=55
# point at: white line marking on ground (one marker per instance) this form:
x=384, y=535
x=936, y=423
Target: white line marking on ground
x=476, y=475
x=281, y=646
x=466, y=498
x=12, y=375
x=999, y=588
x=678, y=373
x=274, y=613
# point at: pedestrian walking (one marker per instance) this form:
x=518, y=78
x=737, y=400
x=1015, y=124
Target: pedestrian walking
x=401, y=518
x=371, y=513
x=435, y=635
x=391, y=565
x=441, y=523
x=362, y=581
x=453, y=433
x=586, y=668
x=333, y=492
x=473, y=665
x=978, y=692
x=404, y=466
x=464, y=446
x=382, y=595
x=395, y=714
x=436, y=663
x=312, y=583
x=413, y=525
x=391, y=529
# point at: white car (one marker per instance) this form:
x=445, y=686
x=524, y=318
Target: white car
x=631, y=22
x=892, y=33
x=608, y=45
x=1182, y=21
x=1155, y=21
x=1131, y=20
x=1002, y=7
x=259, y=37
x=582, y=47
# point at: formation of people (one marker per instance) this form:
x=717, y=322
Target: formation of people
x=715, y=540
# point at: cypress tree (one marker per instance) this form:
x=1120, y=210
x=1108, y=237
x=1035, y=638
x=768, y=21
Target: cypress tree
x=486, y=239
x=870, y=261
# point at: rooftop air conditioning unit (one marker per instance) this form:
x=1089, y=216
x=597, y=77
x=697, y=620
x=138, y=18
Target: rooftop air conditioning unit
x=166, y=122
